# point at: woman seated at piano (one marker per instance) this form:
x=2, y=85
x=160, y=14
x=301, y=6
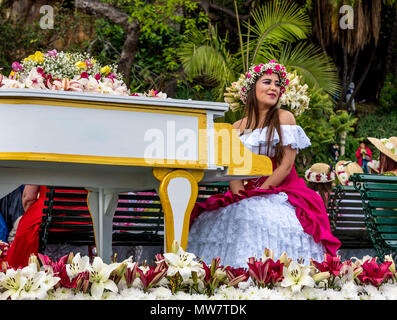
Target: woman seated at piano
x=278, y=212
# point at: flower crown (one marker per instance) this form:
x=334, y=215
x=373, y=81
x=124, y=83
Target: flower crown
x=256, y=71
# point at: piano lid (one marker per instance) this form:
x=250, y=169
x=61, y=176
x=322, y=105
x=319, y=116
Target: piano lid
x=107, y=98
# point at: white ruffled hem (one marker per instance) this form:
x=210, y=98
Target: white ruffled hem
x=245, y=228
x=292, y=135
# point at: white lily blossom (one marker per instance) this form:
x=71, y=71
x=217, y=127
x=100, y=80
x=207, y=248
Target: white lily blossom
x=12, y=282
x=183, y=262
x=99, y=277
x=296, y=276
x=79, y=264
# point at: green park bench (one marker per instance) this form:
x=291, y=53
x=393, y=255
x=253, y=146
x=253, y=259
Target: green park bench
x=346, y=216
x=138, y=220
x=379, y=199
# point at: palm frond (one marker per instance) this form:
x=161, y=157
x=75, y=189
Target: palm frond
x=206, y=56
x=315, y=66
x=277, y=22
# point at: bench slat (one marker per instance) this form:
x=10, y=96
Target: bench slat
x=382, y=204
x=381, y=195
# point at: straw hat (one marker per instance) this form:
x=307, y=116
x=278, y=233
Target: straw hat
x=387, y=146
x=344, y=169
x=320, y=173
x=374, y=165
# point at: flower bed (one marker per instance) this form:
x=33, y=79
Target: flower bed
x=179, y=275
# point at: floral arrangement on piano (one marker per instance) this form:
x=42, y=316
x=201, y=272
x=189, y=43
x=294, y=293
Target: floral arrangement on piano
x=180, y=275
x=68, y=71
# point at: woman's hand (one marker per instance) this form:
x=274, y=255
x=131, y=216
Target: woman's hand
x=282, y=170
x=236, y=186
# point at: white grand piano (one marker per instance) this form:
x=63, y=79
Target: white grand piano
x=111, y=144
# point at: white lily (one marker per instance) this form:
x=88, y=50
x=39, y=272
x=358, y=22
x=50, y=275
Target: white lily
x=297, y=276
x=35, y=80
x=79, y=264
x=392, y=267
x=99, y=277
x=14, y=84
x=13, y=282
x=182, y=262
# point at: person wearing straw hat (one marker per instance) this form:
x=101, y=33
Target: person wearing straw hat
x=388, y=154
x=320, y=177
x=344, y=169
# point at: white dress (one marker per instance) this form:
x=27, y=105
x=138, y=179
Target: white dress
x=245, y=228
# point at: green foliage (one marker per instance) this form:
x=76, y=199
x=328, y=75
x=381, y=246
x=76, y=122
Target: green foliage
x=388, y=95
x=271, y=33
x=377, y=125
x=323, y=127
x=16, y=40
x=163, y=25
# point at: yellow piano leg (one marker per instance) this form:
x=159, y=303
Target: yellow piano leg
x=178, y=193
x=102, y=204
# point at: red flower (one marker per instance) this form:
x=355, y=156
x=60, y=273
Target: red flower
x=332, y=264
x=97, y=76
x=130, y=275
x=318, y=177
x=375, y=273
x=269, y=71
x=152, y=276
x=257, y=69
x=236, y=275
x=59, y=268
x=84, y=75
x=265, y=273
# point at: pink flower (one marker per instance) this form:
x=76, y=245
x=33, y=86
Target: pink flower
x=287, y=82
x=236, y=275
x=41, y=71
x=257, y=69
x=52, y=53
x=84, y=75
x=283, y=74
x=265, y=273
x=97, y=76
x=243, y=89
x=130, y=275
x=278, y=67
x=269, y=71
x=59, y=269
x=16, y=67
x=375, y=273
x=272, y=61
x=88, y=63
x=331, y=264
x=152, y=276
x=248, y=75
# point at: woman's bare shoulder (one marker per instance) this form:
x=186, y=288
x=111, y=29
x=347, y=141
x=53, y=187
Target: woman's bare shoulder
x=286, y=117
x=240, y=124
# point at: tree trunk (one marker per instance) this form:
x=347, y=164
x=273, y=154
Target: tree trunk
x=342, y=143
x=344, y=80
x=131, y=29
